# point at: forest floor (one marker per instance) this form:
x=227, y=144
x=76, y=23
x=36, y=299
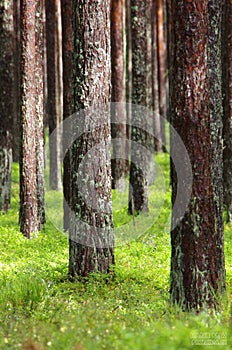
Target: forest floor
x=128, y=309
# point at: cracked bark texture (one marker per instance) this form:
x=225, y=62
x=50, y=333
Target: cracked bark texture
x=141, y=168
x=119, y=162
x=66, y=13
x=39, y=120
x=227, y=106
x=91, y=237
x=28, y=218
x=6, y=101
x=197, y=260
x=54, y=88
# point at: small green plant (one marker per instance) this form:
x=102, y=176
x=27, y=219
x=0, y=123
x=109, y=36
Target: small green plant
x=126, y=309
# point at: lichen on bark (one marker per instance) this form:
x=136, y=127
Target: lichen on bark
x=197, y=262
x=91, y=243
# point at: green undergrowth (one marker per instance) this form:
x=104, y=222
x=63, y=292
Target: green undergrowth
x=127, y=309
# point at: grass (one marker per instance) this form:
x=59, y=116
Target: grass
x=127, y=309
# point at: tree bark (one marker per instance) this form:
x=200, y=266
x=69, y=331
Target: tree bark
x=119, y=163
x=54, y=88
x=140, y=171
x=155, y=83
x=39, y=121
x=227, y=107
x=6, y=101
x=28, y=186
x=66, y=11
x=16, y=87
x=161, y=51
x=197, y=262
x=91, y=237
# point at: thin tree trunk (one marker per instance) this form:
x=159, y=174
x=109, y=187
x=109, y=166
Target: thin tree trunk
x=119, y=162
x=155, y=83
x=28, y=186
x=140, y=171
x=54, y=88
x=39, y=122
x=161, y=50
x=90, y=233
x=6, y=101
x=227, y=107
x=128, y=72
x=66, y=11
x=16, y=87
x=197, y=263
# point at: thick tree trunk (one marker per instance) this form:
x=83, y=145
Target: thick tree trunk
x=6, y=101
x=91, y=233
x=28, y=186
x=197, y=263
x=39, y=122
x=227, y=107
x=66, y=11
x=140, y=170
x=119, y=163
x=54, y=88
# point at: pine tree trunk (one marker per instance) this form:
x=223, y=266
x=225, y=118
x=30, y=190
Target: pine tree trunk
x=91, y=236
x=197, y=263
x=161, y=51
x=16, y=92
x=39, y=122
x=227, y=107
x=155, y=83
x=119, y=163
x=66, y=11
x=28, y=186
x=54, y=88
x=141, y=172
x=6, y=101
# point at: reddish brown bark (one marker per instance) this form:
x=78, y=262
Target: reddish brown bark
x=197, y=263
x=54, y=88
x=162, y=67
x=119, y=165
x=155, y=83
x=91, y=233
x=140, y=172
x=16, y=93
x=227, y=107
x=6, y=102
x=39, y=122
x=66, y=11
x=28, y=187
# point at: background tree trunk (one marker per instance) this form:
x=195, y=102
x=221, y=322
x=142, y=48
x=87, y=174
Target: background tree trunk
x=162, y=62
x=90, y=237
x=6, y=101
x=141, y=174
x=227, y=106
x=66, y=12
x=28, y=187
x=16, y=87
x=197, y=263
x=155, y=83
x=39, y=120
x=119, y=165
x=54, y=88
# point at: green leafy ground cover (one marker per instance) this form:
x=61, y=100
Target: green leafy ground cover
x=128, y=309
